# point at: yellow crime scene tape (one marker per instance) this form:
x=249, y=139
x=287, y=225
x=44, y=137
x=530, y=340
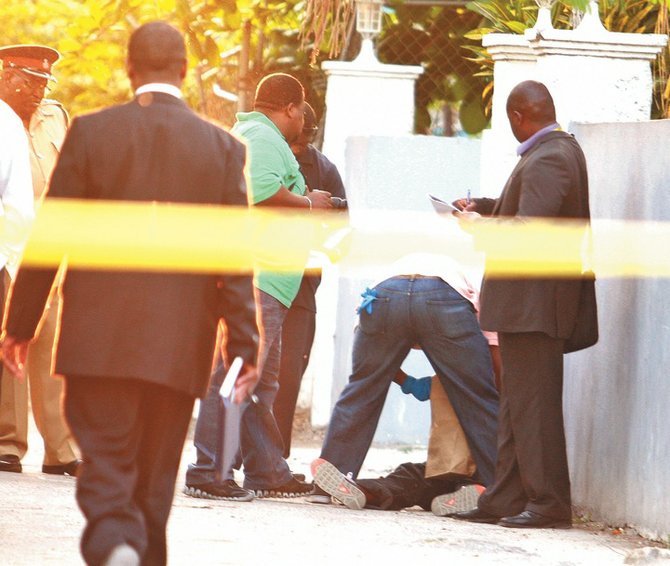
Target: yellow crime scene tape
x=201, y=238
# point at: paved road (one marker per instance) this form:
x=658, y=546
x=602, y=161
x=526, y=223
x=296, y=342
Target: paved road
x=40, y=524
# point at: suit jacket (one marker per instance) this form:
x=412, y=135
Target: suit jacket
x=154, y=327
x=550, y=181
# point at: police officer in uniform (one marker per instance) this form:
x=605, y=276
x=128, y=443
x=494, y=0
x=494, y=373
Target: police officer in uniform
x=24, y=79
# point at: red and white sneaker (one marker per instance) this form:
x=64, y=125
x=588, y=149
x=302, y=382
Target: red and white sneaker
x=335, y=483
x=458, y=501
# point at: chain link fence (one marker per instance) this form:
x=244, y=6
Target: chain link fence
x=448, y=94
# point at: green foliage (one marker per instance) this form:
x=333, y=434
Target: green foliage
x=92, y=36
x=630, y=16
x=435, y=37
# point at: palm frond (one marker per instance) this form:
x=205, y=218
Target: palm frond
x=326, y=23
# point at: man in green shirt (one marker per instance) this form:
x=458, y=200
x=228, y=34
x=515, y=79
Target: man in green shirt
x=274, y=173
x=274, y=180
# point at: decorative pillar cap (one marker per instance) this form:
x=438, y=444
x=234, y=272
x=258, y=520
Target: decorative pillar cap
x=377, y=70
x=614, y=45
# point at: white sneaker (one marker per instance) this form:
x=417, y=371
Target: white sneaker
x=320, y=497
x=458, y=501
x=123, y=555
x=339, y=486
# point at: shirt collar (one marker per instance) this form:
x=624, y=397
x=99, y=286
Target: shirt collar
x=255, y=116
x=159, y=87
x=532, y=140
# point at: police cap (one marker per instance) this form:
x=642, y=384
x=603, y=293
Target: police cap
x=35, y=60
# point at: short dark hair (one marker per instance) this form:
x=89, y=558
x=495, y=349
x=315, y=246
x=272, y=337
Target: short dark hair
x=156, y=47
x=533, y=99
x=310, y=117
x=277, y=91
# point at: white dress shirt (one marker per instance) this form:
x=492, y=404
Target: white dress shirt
x=159, y=87
x=16, y=192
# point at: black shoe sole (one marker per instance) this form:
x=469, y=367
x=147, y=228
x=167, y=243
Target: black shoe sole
x=201, y=494
x=556, y=525
x=482, y=519
x=262, y=493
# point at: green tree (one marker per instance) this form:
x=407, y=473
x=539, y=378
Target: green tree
x=92, y=35
x=446, y=39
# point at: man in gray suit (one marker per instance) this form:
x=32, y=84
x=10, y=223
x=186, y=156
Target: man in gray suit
x=533, y=318
x=136, y=347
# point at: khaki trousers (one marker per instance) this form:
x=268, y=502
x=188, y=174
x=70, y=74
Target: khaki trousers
x=46, y=394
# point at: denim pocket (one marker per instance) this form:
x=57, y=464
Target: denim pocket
x=375, y=323
x=453, y=319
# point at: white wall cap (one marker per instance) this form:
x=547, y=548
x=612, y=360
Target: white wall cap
x=378, y=70
x=615, y=45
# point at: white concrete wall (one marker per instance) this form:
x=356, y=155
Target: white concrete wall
x=617, y=394
x=365, y=97
x=593, y=75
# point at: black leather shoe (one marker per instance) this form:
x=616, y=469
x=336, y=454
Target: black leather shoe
x=69, y=469
x=10, y=463
x=532, y=520
x=475, y=515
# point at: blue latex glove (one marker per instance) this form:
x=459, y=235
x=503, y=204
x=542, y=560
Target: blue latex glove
x=420, y=388
x=369, y=295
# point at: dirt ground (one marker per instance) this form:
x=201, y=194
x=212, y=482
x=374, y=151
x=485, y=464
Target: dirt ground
x=40, y=524
x=305, y=436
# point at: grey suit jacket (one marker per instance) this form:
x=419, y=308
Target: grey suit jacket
x=550, y=180
x=155, y=327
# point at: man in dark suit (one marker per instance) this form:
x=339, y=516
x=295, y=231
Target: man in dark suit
x=136, y=348
x=533, y=318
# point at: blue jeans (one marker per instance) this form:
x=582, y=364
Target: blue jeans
x=261, y=442
x=426, y=311
x=262, y=445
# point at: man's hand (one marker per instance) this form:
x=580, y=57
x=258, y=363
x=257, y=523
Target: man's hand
x=245, y=383
x=319, y=198
x=465, y=206
x=14, y=353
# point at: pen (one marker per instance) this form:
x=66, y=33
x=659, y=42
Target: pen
x=468, y=199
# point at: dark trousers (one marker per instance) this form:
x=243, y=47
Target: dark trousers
x=264, y=465
x=131, y=434
x=405, y=487
x=207, y=435
x=532, y=468
x=296, y=343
